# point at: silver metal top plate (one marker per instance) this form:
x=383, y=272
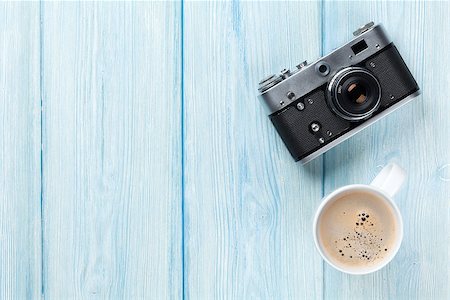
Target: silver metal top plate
x=308, y=78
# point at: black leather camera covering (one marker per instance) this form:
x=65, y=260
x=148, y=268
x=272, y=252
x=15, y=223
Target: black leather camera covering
x=294, y=125
x=393, y=74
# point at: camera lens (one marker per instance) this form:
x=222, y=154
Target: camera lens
x=354, y=93
x=357, y=93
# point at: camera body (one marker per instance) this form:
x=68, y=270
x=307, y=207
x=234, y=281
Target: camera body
x=321, y=104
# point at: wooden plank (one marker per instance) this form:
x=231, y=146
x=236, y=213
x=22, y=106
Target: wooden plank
x=20, y=148
x=416, y=137
x=248, y=206
x=112, y=159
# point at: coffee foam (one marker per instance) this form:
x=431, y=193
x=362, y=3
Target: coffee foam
x=358, y=230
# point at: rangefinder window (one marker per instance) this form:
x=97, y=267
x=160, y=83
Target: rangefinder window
x=359, y=47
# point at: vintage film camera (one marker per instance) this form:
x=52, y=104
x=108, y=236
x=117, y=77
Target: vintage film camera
x=321, y=104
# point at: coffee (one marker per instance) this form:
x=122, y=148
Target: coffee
x=358, y=230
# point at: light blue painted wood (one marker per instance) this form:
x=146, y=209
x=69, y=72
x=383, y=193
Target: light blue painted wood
x=112, y=152
x=248, y=206
x=20, y=144
x=112, y=159
x=416, y=137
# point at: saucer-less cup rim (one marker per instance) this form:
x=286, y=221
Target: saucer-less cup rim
x=385, y=185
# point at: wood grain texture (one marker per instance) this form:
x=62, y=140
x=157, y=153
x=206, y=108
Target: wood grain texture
x=112, y=159
x=20, y=148
x=416, y=137
x=248, y=206
x=98, y=213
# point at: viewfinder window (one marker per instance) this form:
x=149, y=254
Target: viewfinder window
x=359, y=47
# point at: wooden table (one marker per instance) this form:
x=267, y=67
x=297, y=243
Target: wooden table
x=136, y=161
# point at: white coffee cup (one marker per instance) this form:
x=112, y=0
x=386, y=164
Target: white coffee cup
x=384, y=187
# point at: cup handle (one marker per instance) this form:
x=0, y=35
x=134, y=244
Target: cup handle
x=390, y=179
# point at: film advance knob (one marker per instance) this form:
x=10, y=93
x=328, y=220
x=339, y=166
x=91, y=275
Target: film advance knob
x=269, y=82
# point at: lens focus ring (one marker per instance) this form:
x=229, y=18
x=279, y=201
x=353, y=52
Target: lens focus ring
x=354, y=93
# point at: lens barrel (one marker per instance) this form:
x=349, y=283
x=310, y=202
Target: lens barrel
x=354, y=93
